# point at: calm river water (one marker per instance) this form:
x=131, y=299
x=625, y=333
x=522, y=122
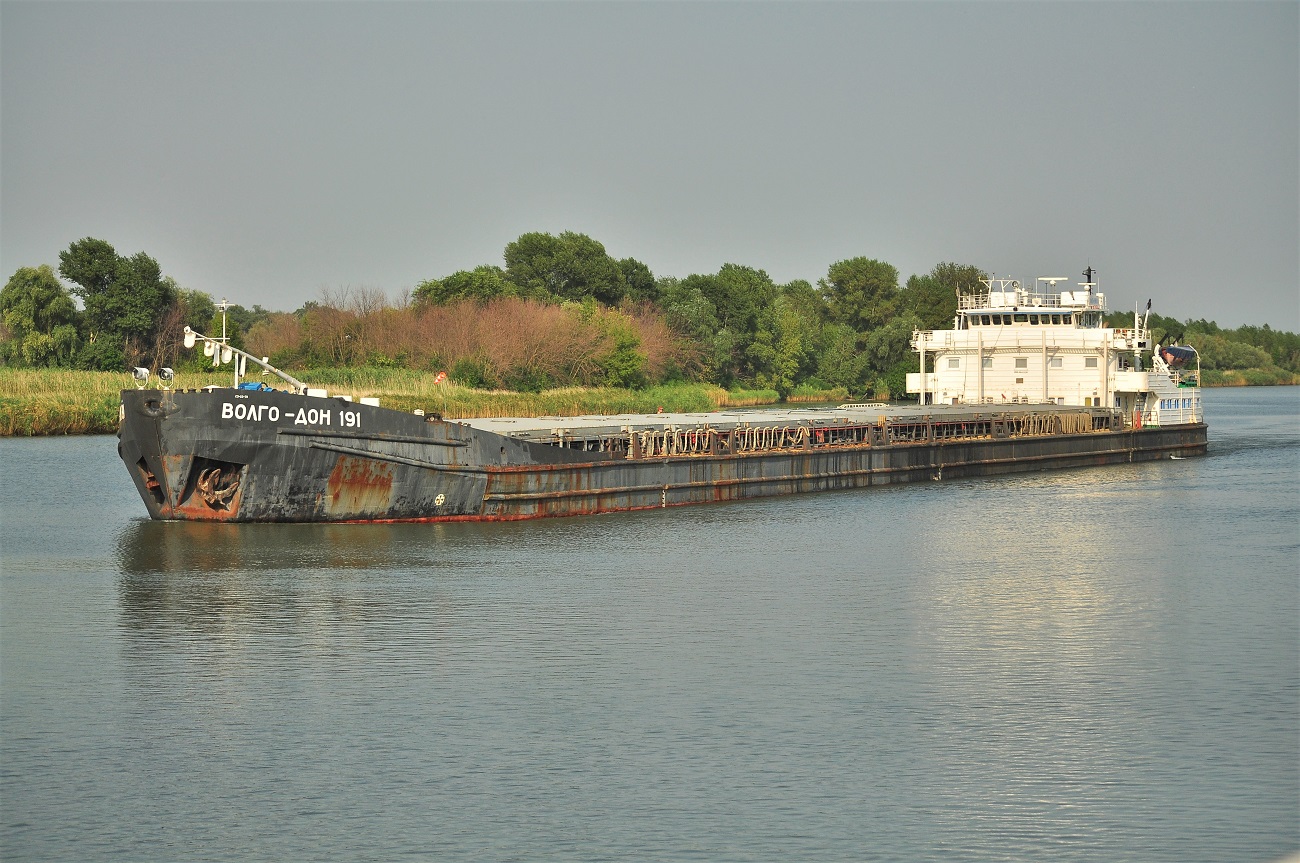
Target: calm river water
x=1085, y=665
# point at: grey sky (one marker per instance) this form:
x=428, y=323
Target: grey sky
x=265, y=151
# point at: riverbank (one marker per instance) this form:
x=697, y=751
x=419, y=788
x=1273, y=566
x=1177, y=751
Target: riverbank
x=36, y=402
x=1273, y=377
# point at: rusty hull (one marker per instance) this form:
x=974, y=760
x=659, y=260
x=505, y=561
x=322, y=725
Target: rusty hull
x=227, y=455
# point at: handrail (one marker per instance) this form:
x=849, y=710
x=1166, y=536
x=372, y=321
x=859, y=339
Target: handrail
x=1023, y=300
x=192, y=337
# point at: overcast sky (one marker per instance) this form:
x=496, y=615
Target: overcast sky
x=267, y=151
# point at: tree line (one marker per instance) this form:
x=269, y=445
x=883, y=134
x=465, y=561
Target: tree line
x=561, y=311
x=129, y=314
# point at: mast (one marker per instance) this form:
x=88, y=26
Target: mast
x=228, y=353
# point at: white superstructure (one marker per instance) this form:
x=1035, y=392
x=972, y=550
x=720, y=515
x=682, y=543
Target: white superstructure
x=1011, y=345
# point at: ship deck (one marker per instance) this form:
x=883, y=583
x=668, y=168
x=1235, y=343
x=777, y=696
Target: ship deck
x=546, y=429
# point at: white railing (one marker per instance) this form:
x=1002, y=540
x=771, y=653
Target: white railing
x=1025, y=300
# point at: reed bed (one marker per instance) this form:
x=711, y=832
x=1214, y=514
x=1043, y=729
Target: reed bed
x=60, y=402
x=749, y=398
x=805, y=394
x=1249, y=378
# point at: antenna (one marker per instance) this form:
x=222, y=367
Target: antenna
x=223, y=305
x=1052, y=280
x=225, y=355
x=1088, y=273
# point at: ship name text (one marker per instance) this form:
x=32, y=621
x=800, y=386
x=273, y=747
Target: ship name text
x=301, y=417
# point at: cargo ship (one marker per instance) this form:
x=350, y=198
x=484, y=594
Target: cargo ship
x=1027, y=380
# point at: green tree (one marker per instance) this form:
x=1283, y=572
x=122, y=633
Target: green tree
x=784, y=350
x=91, y=265
x=1165, y=331
x=840, y=362
x=124, y=300
x=193, y=309
x=571, y=266
x=861, y=292
x=740, y=294
x=640, y=282
x=693, y=315
x=809, y=302
x=198, y=309
x=890, y=345
x=624, y=363
x=480, y=284
x=932, y=298
x=41, y=319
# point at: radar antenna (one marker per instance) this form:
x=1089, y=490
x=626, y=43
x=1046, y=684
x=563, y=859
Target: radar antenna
x=1088, y=274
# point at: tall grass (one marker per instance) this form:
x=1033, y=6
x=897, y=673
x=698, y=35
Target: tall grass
x=1249, y=377
x=806, y=393
x=54, y=402
x=61, y=401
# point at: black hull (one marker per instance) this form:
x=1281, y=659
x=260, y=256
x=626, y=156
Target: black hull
x=280, y=457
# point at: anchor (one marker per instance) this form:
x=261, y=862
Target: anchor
x=217, y=489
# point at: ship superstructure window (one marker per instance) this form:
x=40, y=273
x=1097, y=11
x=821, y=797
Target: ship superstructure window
x=1022, y=363
x=1090, y=362
x=954, y=362
x=1021, y=318
x=984, y=319
x=988, y=362
x=1055, y=362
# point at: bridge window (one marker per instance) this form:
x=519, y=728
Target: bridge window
x=984, y=319
x=1021, y=318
